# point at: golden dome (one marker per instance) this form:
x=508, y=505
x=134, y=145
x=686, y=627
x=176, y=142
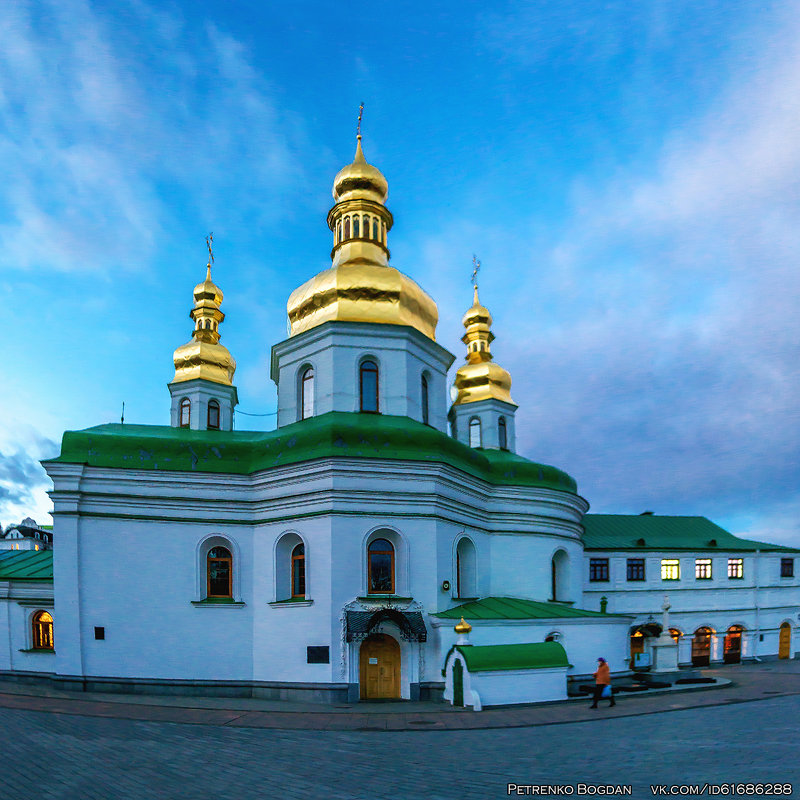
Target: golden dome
x=480, y=378
x=203, y=356
x=360, y=180
x=199, y=359
x=361, y=286
x=462, y=627
x=362, y=292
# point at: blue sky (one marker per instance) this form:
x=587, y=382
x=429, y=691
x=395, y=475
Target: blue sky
x=628, y=174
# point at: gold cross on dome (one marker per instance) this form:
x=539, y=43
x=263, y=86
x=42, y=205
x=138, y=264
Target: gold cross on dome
x=360, y=113
x=476, y=265
x=209, y=245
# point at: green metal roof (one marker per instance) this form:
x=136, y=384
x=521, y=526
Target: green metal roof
x=336, y=434
x=486, y=658
x=515, y=608
x=27, y=565
x=652, y=532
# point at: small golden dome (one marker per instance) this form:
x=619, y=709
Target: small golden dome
x=360, y=180
x=480, y=378
x=462, y=627
x=362, y=292
x=203, y=356
x=200, y=359
x=207, y=291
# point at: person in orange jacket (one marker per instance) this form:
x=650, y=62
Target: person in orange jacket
x=602, y=678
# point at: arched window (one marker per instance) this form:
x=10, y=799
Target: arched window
x=213, y=415
x=374, y=227
x=307, y=394
x=347, y=227
x=42, y=631
x=299, y=571
x=368, y=385
x=338, y=232
x=424, y=399
x=383, y=228
x=186, y=412
x=219, y=572
x=356, y=226
x=474, y=432
x=559, y=576
x=675, y=634
x=466, y=577
x=502, y=433
x=380, y=567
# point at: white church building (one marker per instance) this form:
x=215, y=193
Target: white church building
x=330, y=559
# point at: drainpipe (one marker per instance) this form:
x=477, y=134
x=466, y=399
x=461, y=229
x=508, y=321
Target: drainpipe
x=755, y=601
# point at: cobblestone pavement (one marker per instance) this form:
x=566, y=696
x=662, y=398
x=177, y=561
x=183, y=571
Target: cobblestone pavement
x=52, y=755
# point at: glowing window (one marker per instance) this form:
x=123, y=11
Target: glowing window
x=42, y=631
x=702, y=569
x=670, y=569
x=735, y=568
x=219, y=572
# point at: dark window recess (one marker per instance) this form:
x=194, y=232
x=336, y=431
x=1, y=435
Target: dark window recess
x=787, y=568
x=635, y=569
x=598, y=569
x=99, y=633
x=318, y=655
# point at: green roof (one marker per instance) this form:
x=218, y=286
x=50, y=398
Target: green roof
x=515, y=608
x=27, y=565
x=332, y=435
x=652, y=532
x=485, y=658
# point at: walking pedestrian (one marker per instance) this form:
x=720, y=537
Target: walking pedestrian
x=602, y=681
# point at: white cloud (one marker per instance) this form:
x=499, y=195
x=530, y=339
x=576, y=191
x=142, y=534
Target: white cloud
x=110, y=132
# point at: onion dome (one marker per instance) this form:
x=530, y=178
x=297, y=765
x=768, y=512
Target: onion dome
x=203, y=356
x=360, y=180
x=462, y=627
x=361, y=286
x=480, y=378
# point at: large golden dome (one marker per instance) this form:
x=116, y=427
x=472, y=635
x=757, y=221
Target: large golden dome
x=480, y=378
x=361, y=286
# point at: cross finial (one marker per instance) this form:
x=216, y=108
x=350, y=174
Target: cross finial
x=209, y=245
x=476, y=265
x=360, y=114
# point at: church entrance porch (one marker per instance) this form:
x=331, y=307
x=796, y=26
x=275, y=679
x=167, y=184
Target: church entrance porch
x=379, y=668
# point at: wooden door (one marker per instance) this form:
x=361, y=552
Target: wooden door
x=785, y=641
x=379, y=664
x=732, y=646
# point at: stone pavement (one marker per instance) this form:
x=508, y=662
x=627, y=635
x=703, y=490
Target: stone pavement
x=746, y=732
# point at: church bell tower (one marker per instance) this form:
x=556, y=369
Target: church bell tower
x=202, y=391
